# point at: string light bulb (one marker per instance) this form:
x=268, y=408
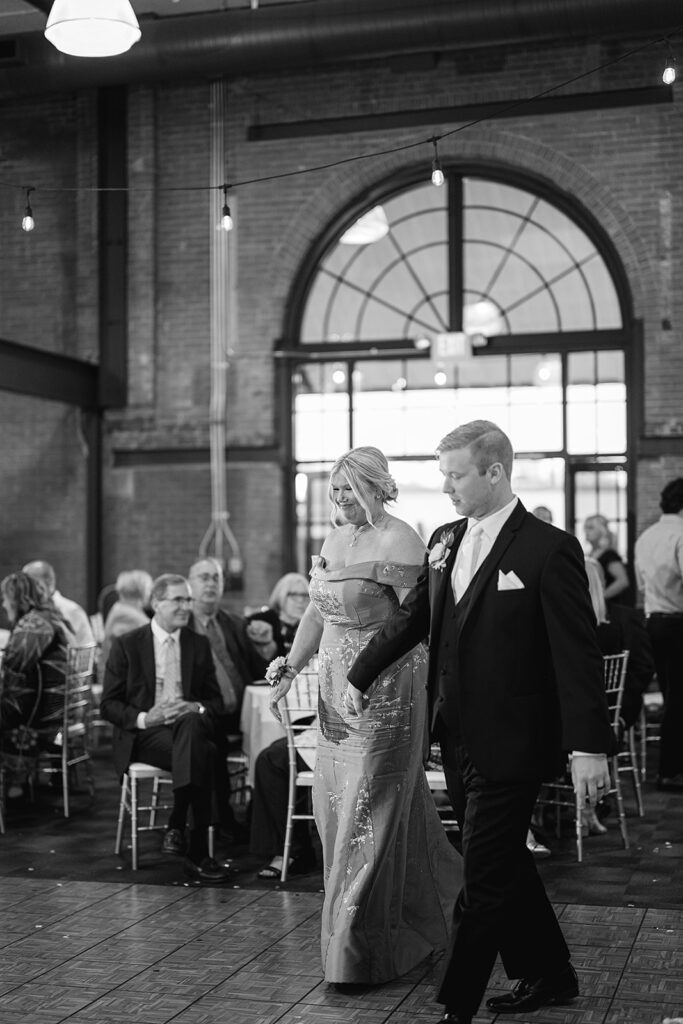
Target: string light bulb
x=437, y=171
x=226, y=218
x=670, y=70
x=28, y=222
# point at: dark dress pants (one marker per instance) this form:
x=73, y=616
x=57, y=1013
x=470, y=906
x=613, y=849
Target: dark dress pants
x=269, y=804
x=502, y=907
x=186, y=750
x=666, y=636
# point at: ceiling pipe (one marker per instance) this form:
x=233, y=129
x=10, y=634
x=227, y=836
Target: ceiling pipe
x=302, y=35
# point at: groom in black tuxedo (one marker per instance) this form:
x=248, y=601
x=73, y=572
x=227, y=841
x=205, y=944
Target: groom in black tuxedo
x=515, y=679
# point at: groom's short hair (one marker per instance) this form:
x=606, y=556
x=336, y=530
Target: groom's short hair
x=486, y=441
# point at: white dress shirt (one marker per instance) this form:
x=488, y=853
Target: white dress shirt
x=160, y=636
x=659, y=564
x=491, y=526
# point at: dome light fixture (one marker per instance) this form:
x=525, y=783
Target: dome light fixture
x=370, y=227
x=92, y=28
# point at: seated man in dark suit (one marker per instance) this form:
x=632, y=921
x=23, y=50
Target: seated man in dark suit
x=237, y=661
x=161, y=694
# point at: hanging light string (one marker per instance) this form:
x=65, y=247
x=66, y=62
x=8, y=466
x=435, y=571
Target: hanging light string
x=670, y=66
x=226, y=218
x=28, y=222
x=437, y=171
x=432, y=140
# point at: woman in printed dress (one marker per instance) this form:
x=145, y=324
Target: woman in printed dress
x=391, y=875
x=32, y=677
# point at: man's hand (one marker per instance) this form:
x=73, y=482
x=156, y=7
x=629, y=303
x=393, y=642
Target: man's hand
x=354, y=700
x=590, y=775
x=167, y=713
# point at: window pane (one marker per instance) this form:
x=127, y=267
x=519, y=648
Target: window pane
x=534, y=263
x=321, y=412
x=602, y=491
x=400, y=418
x=396, y=287
x=596, y=403
x=541, y=482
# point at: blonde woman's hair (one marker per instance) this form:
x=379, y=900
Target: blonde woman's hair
x=367, y=471
x=282, y=588
x=134, y=585
x=604, y=523
x=596, y=587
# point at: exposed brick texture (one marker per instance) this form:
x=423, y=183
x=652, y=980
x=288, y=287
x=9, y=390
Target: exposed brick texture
x=623, y=166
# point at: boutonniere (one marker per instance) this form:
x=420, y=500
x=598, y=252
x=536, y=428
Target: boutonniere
x=438, y=556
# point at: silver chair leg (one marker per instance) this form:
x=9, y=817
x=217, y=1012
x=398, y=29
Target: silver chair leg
x=134, y=823
x=122, y=811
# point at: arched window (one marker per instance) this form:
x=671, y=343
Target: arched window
x=491, y=297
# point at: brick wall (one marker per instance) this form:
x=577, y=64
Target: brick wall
x=622, y=165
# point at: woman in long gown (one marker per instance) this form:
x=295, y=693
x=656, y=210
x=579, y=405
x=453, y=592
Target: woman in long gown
x=391, y=876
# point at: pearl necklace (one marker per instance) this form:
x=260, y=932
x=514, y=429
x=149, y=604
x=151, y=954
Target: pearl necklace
x=366, y=526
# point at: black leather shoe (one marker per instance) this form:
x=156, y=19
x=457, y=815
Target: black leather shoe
x=530, y=995
x=209, y=870
x=173, y=842
x=454, y=1018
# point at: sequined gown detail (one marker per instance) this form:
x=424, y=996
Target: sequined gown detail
x=391, y=876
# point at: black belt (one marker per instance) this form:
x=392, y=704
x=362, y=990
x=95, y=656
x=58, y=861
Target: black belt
x=665, y=615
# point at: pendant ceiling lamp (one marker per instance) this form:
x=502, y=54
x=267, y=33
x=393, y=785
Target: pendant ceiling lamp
x=92, y=28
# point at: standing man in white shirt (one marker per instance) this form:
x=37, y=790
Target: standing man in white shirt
x=659, y=573
x=161, y=694
x=515, y=679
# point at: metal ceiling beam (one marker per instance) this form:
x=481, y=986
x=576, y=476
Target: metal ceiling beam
x=298, y=36
x=48, y=375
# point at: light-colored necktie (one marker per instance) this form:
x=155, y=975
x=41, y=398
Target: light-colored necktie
x=172, y=689
x=467, y=561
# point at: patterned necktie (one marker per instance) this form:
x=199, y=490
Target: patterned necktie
x=467, y=561
x=226, y=671
x=172, y=688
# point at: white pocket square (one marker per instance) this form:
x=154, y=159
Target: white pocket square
x=509, y=581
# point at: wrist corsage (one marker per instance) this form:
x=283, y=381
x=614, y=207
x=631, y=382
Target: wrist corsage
x=438, y=556
x=276, y=670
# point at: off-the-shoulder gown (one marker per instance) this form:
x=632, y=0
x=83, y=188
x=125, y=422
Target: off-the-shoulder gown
x=391, y=876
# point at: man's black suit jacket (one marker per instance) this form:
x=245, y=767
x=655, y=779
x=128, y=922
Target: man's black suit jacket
x=515, y=673
x=247, y=661
x=130, y=683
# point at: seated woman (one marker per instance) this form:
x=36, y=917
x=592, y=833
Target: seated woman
x=269, y=808
x=32, y=676
x=272, y=628
x=133, y=591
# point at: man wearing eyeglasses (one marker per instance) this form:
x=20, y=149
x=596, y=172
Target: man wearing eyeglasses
x=236, y=659
x=237, y=663
x=161, y=694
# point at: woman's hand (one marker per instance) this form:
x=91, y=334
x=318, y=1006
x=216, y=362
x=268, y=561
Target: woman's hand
x=281, y=688
x=354, y=700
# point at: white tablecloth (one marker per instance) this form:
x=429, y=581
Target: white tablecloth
x=260, y=728
x=257, y=724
